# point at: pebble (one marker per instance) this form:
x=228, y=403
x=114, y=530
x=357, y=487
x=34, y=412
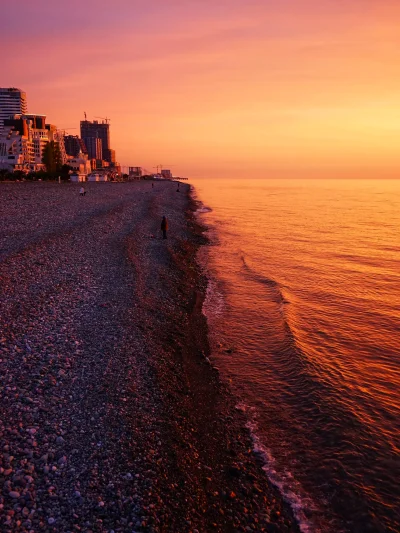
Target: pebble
x=72, y=365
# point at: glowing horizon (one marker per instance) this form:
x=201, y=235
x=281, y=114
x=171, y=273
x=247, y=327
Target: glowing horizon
x=277, y=89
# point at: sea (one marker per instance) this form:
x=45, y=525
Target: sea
x=303, y=310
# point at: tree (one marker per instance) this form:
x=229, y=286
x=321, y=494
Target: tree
x=4, y=174
x=64, y=172
x=52, y=157
x=18, y=174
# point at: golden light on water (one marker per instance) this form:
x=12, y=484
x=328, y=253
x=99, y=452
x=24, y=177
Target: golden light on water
x=306, y=291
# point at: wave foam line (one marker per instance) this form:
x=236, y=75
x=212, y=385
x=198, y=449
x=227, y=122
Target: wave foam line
x=284, y=481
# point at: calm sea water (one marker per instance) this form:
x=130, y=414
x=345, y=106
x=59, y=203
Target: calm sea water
x=303, y=306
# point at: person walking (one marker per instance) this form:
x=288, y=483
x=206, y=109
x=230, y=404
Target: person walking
x=164, y=226
x=82, y=191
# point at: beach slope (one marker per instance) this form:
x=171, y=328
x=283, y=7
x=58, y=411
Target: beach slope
x=111, y=416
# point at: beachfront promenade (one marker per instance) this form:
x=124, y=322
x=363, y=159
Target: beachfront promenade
x=111, y=418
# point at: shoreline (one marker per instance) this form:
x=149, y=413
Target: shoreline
x=115, y=419
x=229, y=443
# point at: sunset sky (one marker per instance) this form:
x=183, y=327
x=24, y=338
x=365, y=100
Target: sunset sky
x=274, y=88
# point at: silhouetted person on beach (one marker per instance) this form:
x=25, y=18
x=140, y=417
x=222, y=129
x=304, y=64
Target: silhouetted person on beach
x=82, y=191
x=152, y=185
x=164, y=226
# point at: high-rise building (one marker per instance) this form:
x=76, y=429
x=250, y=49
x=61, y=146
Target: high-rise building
x=94, y=147
x=74, y=145
x=111, y=156
x=97, y=130
x=12, y=102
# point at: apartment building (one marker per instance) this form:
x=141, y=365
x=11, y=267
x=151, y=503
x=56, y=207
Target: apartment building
x=12, y=102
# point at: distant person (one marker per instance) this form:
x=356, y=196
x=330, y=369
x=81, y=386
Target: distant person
x=164, y=226
x=152, y=185
x=82, y=192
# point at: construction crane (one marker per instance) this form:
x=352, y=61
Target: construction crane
x=161, y=167
x=104, y=118
x=66, y=130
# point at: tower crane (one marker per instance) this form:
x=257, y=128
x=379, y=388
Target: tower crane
x=104, y=118
x=161, y=167
x=67, y=129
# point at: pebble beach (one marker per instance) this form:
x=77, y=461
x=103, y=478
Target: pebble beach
x=112, y=418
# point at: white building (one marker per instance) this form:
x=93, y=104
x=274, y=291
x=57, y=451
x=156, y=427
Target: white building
x=98, y=176
x=12, y=102
x=17, y=149
x=23, y=140
x=80, y=163
x=77, y=177
x=94, y=176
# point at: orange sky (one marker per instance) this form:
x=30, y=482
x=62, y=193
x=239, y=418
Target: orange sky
x=305, y=88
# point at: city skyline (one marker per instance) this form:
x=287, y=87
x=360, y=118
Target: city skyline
x=26, y=141
x=288, y=89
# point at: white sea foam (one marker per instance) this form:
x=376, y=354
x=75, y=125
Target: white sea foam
x=283, y=480
x=203, y=209
x=213, y=305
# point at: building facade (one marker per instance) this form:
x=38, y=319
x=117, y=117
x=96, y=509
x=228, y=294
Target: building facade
x=12, y=102
x=135, y=172
x=56, y=135
x=74, y=145
x=166, y=173
x=23, y=139
x=110, y=156
x=94, y=147
x=80, y=164
x=97, y=130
